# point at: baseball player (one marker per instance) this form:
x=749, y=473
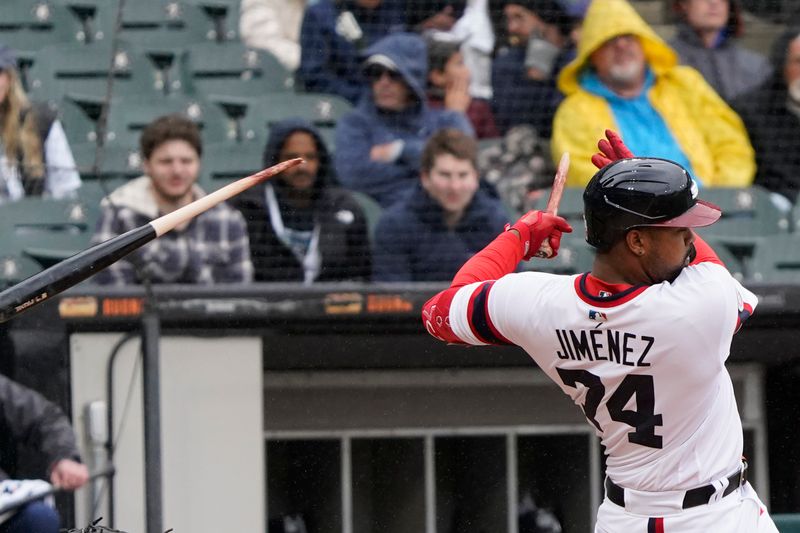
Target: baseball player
x=639, y=343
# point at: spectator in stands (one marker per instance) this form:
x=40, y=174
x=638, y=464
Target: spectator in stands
x=332, y=36
x=706, y=40
x=523, y=71
x=211, y=248
x=30, y=421
x=274, y=26
x=434, y=15
x=35, y=158
x=626, y=77
x=474, y=29
x=448, y=84
x=772, y=116
x=302, y=227
x=378, y=144
x=444, y=221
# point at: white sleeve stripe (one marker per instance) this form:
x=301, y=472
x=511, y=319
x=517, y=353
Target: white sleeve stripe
x=459, y=314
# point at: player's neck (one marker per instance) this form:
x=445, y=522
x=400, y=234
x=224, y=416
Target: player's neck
x=615, y=271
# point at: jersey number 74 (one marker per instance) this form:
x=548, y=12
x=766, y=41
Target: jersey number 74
x=643, y=419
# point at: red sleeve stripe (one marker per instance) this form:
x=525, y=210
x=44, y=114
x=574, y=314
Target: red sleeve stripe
x=478, y=315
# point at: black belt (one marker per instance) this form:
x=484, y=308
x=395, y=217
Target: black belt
x=692, y=498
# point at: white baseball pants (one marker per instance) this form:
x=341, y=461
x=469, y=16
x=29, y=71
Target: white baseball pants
x=739, y=512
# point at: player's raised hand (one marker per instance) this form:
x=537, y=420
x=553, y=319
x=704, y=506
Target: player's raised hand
x=611, y=149
x=536, y=226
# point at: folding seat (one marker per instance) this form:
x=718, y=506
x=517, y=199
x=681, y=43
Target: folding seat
x=776, y=259
x=322, y=110
x=128, y=116
x=224, y=72
x=81, y=72
x=226, y=162
x=747, y=214
x=46, y=230
x=225, y=16
x=28, y=26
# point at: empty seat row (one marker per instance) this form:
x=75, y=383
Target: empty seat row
x=160, y=24
x=218, y=71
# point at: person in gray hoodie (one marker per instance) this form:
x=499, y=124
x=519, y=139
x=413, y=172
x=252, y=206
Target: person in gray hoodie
x=379, y=143
x=707, y=40
x=211, y=248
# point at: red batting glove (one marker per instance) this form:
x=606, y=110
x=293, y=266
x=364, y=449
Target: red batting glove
x=611, y=150
x=536, y=226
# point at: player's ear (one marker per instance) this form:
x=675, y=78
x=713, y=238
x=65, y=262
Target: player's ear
x=635, y=241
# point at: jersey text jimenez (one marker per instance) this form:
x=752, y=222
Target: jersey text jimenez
x=620, y=347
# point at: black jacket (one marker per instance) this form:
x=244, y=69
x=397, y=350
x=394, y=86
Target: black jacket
x=29, y=420
x=413, y=243
x=774, y=130
x=343, y=241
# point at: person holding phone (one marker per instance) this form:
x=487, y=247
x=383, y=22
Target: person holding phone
x=523, y=71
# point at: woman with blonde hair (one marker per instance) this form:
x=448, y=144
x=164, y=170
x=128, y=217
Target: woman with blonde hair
x=35, y=158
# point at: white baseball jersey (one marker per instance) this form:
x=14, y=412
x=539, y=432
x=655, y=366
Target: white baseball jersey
x=645, y=363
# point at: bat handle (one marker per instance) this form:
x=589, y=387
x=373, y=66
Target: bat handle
x=545, y=250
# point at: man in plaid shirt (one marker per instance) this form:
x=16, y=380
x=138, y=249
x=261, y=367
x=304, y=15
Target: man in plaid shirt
x=211, y=248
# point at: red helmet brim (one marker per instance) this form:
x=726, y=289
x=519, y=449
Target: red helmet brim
x=701, y=214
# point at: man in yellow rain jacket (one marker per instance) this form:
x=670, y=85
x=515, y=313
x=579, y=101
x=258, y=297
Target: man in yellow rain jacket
x=625, y=77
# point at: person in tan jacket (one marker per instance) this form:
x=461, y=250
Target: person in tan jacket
x=625, y=77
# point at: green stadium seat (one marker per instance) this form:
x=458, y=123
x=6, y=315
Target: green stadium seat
x=747, y=214
x=46, y=230
x=115, y=161
x=372, y=212
x=220, y=71
x=322, y=110
x=92, y=192
x=15, y=268
x=734, y=264
x=28, y=26
x=157, y=26
x=794, y=216
x=128, y=116
x=776, y=259
x=79, y=127
x=570, y=207
x=81, y=72
x=787, y=523
x=227, y=162
x=225, y=16
x=86, y=11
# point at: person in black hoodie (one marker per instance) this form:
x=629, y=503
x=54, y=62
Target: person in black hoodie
x=302, y=227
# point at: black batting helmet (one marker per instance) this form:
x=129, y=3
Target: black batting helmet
x=644, y=191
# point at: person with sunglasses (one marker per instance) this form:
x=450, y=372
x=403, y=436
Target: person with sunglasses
x=380, y=142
